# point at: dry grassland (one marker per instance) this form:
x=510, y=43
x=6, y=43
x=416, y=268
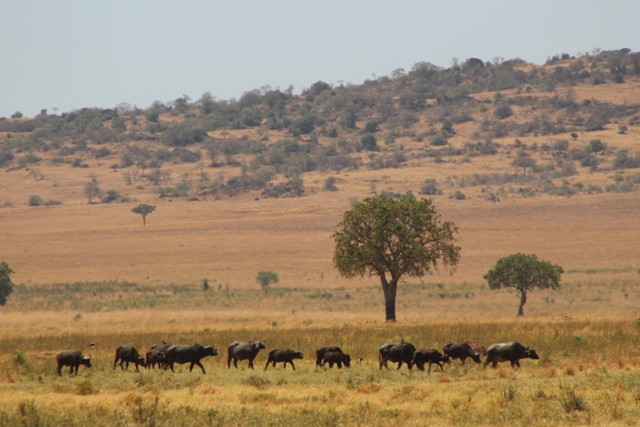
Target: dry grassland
x=140, y=285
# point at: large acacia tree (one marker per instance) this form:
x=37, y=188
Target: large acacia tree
x=389, y=238
x=524, y=273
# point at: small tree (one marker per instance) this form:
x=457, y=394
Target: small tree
x=389, y=238
x=92, y=190
x=524, y=273
x=524, y=162
x=265, y=278
x=6, y=285
x=143, y=210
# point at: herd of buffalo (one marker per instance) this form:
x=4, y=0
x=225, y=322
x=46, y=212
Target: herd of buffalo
x=164, y=355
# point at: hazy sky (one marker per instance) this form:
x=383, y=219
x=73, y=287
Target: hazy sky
x=67, y=54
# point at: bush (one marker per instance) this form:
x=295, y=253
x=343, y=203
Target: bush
x=430, y=187
x=330, y=184
x=458, y=195
x=624, y=161
x=438, y=141
x=36, y=200
x=6, y=156
x=180, y=135
x=180, y=190
x=371, y=127
x=596, y=146
x=503, y=111
x=369, y=142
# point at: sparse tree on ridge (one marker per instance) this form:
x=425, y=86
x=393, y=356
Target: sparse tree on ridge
x=92, y=190
x=265, y=278
x=524, y=273
x=389, y=238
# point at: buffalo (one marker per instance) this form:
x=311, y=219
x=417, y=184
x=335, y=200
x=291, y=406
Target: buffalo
x=320, y=352
x=239, y=350
x=188, y=353
x=420, y=357
x=509, y=351
x=337, y=358
x=126, y=354
x=72, y=358
x=157, y=355
x=461, y=350
x=401, y=352
x=283, y=355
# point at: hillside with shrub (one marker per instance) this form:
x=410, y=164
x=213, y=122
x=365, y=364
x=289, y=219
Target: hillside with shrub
x=497, y=129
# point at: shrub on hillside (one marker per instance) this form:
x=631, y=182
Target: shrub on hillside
x=430, y=187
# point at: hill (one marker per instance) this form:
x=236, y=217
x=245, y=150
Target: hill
x=523, y=157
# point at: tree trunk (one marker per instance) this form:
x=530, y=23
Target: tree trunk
x=390, y=289
x=144, y=220
x=523, y=301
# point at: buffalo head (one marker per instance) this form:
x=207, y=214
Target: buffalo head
x=531, y=353
x=86, y=361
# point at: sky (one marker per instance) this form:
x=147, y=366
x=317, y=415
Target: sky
x=64, y=55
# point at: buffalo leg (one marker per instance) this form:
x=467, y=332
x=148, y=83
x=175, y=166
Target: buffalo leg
x=292, y=365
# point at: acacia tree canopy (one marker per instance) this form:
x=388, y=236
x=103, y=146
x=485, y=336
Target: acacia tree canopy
x=524, y=273
x=143, y=210
x=389, y=238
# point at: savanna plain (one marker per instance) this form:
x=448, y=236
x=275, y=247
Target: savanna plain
x=91, y=276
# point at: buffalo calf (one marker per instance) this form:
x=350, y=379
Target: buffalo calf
x=336, y=358
x=126, y=354
x=461, y=350
x=282, y=355
x=420, y=357
x=157, y=355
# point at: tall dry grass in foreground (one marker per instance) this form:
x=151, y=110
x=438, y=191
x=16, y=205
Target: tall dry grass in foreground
x=588, y=374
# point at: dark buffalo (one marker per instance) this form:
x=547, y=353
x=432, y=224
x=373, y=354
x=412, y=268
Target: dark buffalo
x=189, y=353
x=509, y=352
x=126, y=354
x=282, y=355
x=157, y=355
x=320, y=352
x=72, y=358
x=420, y=357
x=401, y=352
x=239, y=350
x=461, y=350
x=336, y=358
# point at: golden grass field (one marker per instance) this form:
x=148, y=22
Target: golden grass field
x=587, y=333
